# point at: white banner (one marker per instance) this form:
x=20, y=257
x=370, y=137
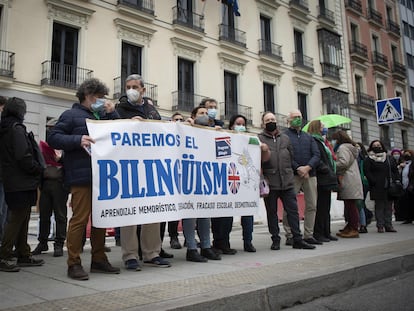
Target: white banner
x=154, y=171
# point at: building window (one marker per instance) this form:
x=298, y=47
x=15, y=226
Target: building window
x=404, y=137
x=358, y=84
x=230, y=94
x=131, y=60
x=186, y=84
x=354, y=32
x=185, y=11
x=411, y=32
x=406, y=29
x=364, y=130
x=298, y=37
x=412, y=93
x=303, y=105
x=410, y=61
x=265, y=34
x=269, y=97
x=380, y=91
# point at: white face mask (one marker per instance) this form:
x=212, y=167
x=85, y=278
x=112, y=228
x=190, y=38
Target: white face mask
x=133, y=95
x=240, y=128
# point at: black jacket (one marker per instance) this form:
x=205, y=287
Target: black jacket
x=325, y=173
x=145, y=111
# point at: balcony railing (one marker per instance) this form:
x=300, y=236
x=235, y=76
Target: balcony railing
x=62, y=75
x=303, y=4
x=359, y=49
x=330, y=71
x=188, y=19
x=365, y=100
x=374, y=16
x=355, y=5
x=303, y=61
x=266, y=47
x=379, y=59
x=327, y=15
x=408, y=114
x=146, y=6
x=393, y=27
x=398, y=69
x=151, y=90
x=231, y=109
x=6, y=64
x=185, y=101
x=232, y=35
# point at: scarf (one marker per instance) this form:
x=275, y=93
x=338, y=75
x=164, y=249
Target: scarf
x=377, y=157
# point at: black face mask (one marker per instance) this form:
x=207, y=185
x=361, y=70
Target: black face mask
x=407, y=157
x=377, y=149
x=271, y=126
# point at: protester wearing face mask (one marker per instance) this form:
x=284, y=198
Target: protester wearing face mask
x=211, y=105
x=70, y=134
x=406, y=202
x=396, y=157
x=377, y=168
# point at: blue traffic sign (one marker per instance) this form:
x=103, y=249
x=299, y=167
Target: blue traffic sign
x=389, y=110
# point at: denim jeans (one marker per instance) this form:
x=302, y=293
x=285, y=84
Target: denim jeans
x=203, y=228
x=247, y=226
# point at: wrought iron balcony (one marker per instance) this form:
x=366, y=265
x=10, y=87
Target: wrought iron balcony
x=408, y=114
x=302, y=4
x=358, y=50
x=232, y=35
x=327, y=15
x=398, y=71
x=231, y=109
x=146, y=6
x=330, y=71
x=374, y=16
x=266, y=47
x=184, y=17
x=364, y=100
x=185, y=101
x=6, y=64
x=151, y=90
x=354, y=5
x=393, y=28
x=379, y=61
x=62, y=75
x=302, y=61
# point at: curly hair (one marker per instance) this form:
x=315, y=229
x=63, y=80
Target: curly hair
x=91, y=86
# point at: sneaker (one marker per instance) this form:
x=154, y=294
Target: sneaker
x=76, y=272
x=29, y=262
x=41, y=247
x=132, y=264
x=164, y=254
x=194, y=256
x=289, y=241
x=7, y=266
x=210, y=254
x=58, y=251
x=174, y=243
x=104, y=267
x=158, y=262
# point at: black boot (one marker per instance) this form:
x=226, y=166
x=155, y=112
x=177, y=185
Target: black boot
x=210, y=254
x=193, y=255
x=58, y=251
x=248, y=247
x=41, y=247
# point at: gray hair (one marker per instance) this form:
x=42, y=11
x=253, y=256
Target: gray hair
x=135, y=77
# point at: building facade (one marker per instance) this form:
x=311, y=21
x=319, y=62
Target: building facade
x=377, y=71
x=278, y=55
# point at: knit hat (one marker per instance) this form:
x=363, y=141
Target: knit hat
x=395, y=151
x=14, y=107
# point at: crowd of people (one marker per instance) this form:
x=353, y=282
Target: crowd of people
x=292, y=161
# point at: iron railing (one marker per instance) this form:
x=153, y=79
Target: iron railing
x=356, y=5
x=184, y=101
x=365, y=100
x=379, y=59
x=303, y=4
x=330, y=70
x=375, y=16
x=408, y=114
x=62, y=75
x=266, y=47
x=151, y=90
x=398, y=68
x=303, y=61
x=187, y=18
x=393, y=27
x=6, y=63
x=231, y=109
x=327, y=15
x=146, y=6
x=359, y=49
x=233, y=35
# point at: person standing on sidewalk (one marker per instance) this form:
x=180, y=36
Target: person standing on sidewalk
x=70, y=134
x=53, y=198
x=306, y=158
x=22, y=170
x=277, y=169
x=135, y=106
x=3, y=205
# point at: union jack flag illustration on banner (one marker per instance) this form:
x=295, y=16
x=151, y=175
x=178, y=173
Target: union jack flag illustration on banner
x=233, y=178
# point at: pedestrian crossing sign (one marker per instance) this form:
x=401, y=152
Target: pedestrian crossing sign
x=389, y=110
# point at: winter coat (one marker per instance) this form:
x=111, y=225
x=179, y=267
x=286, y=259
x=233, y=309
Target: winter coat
x=278, y=170
x=67, y=134
x=305, y=148
x=378, y=174
x=145, y=111
x=325, y=172
x=350, y=187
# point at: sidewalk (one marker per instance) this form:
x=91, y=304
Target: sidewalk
x=265, y=280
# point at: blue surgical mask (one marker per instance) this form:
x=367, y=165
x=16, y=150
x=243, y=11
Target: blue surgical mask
x=240, y=128
x=98, y=106
x=212, y=113
x=201, y=120
x=324, y=131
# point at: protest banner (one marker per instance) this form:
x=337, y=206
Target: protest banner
x=154, y=171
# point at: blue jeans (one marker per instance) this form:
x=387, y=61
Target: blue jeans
x=247, y=225
x=290, y=206
x=3, y=211
x=203, y=228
